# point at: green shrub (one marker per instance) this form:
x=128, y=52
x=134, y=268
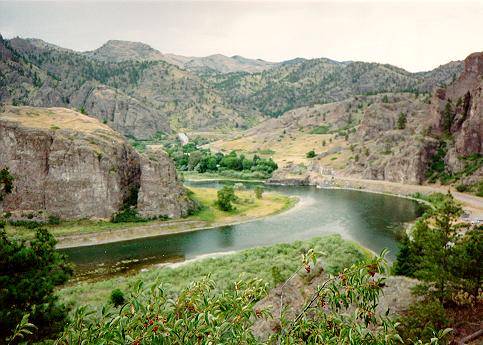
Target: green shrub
x=462, y=188
x=29, y=224
x=310, y=154
x=258, y=192
x=6, y=183
x=128, y=215
x=422, y=320
x=117, y=297
x=225, y=198
x=53, y=220
x=276, y=275
x=324, y=129
x=402, y=120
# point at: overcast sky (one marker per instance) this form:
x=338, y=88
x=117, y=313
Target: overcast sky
x=415, y=35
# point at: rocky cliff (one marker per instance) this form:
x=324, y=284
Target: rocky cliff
x=458, y=108
x=442, y=139
x=406, y=137
x=71, y=166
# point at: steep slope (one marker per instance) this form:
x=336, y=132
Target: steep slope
x=137, y=98
x=70, y=165
x=400, y=137
x=443, y=143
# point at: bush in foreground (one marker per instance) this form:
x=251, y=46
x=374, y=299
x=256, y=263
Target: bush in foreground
x=200, y=315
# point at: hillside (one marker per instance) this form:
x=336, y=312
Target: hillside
x=137, y=98
x=398, y=137
x=307, y=82
x=128, y=86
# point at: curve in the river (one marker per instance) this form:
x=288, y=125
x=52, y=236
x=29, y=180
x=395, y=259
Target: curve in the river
x=367, y=218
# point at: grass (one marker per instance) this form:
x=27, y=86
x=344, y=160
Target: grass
x=250, y=263
x=324, y=129
x=248, y=207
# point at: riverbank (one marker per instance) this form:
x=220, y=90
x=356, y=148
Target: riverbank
x=473, y=205
x=273, y=264
x=247, y=208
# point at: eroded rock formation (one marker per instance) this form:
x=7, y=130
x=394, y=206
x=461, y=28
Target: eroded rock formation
x=72, y=166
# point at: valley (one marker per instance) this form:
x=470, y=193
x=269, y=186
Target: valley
x=186, y=189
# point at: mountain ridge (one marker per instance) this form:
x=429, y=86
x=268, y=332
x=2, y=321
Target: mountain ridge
x=140, y=98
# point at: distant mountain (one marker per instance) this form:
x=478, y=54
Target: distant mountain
x=117, y=51
x=139, y=91
x=301, y=82
x=137, y=98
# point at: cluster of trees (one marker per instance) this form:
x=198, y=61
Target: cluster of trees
x=192, y=158
x=444, y=255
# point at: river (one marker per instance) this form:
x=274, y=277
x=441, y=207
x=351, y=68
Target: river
x=369, y=219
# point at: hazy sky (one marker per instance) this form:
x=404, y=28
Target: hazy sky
x=416, y=35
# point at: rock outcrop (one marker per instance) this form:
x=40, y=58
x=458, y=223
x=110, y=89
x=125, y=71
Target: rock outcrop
x=405, y=154
x=71, y=166
x=160, y=192
x=458, y=108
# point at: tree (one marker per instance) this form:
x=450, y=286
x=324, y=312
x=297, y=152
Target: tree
x=258, y=192
x=194, y=158
x=447, y=117
x=226, y=196
x=441, y=254
x=402, y=120
x=28, y=277
x=6, y=183
x=385, y=99
x=310, y=154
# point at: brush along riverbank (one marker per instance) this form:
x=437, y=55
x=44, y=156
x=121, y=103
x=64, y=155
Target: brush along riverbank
x=273, y=264
x=91, y=232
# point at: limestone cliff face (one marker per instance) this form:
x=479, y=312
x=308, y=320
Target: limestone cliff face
x=72, y=166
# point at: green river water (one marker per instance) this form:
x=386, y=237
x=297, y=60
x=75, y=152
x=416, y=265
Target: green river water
x=369, y=219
